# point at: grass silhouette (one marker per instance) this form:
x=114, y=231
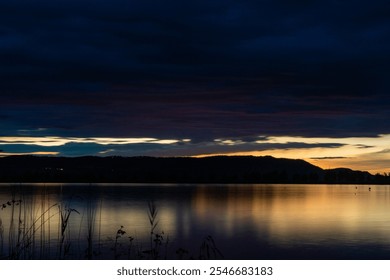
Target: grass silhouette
x=33, y=233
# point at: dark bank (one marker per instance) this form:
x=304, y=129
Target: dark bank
x=217, y=169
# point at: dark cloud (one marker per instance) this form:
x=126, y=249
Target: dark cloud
x=361, y=146
x=201, y=69
x=81, y=147
x=204, y=148
x=328, y=157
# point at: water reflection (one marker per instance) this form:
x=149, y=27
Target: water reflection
x=246, y=221
x=287, y=218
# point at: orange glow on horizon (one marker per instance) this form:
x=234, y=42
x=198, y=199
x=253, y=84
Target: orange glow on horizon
x=370, y=154
x=360, y=162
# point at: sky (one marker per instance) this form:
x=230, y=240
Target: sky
x=296, y=79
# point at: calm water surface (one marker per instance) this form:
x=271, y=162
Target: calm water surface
x=243, y=221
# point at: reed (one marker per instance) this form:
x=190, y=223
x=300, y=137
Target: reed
x=119, y=233
x=27, y=240
x=65, y=211
x=91, y=220
x=152, y=215
x=30, y=234
x=209, y=250
x=155, y=238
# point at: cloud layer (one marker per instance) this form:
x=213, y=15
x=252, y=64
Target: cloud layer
x=199, y=70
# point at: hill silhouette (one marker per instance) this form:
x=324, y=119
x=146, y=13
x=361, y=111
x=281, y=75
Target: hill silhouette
x=216, y=169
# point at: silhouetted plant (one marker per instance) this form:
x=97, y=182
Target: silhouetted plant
x=209, y=250
x=28, y=240
x=91, y=219
x=152, y=215
x=131, y=239
x=21, y=234
x=119, y=233
x=155, y=239
x=65, y=212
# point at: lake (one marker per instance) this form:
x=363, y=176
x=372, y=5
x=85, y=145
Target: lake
x=200, y=221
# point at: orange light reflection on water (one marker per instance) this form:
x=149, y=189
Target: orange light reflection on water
x=299, y=213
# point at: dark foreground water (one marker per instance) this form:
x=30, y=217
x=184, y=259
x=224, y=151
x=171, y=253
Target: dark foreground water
x=109, y=221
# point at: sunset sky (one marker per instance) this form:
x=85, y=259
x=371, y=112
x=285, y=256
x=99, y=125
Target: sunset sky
x=296, y=79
